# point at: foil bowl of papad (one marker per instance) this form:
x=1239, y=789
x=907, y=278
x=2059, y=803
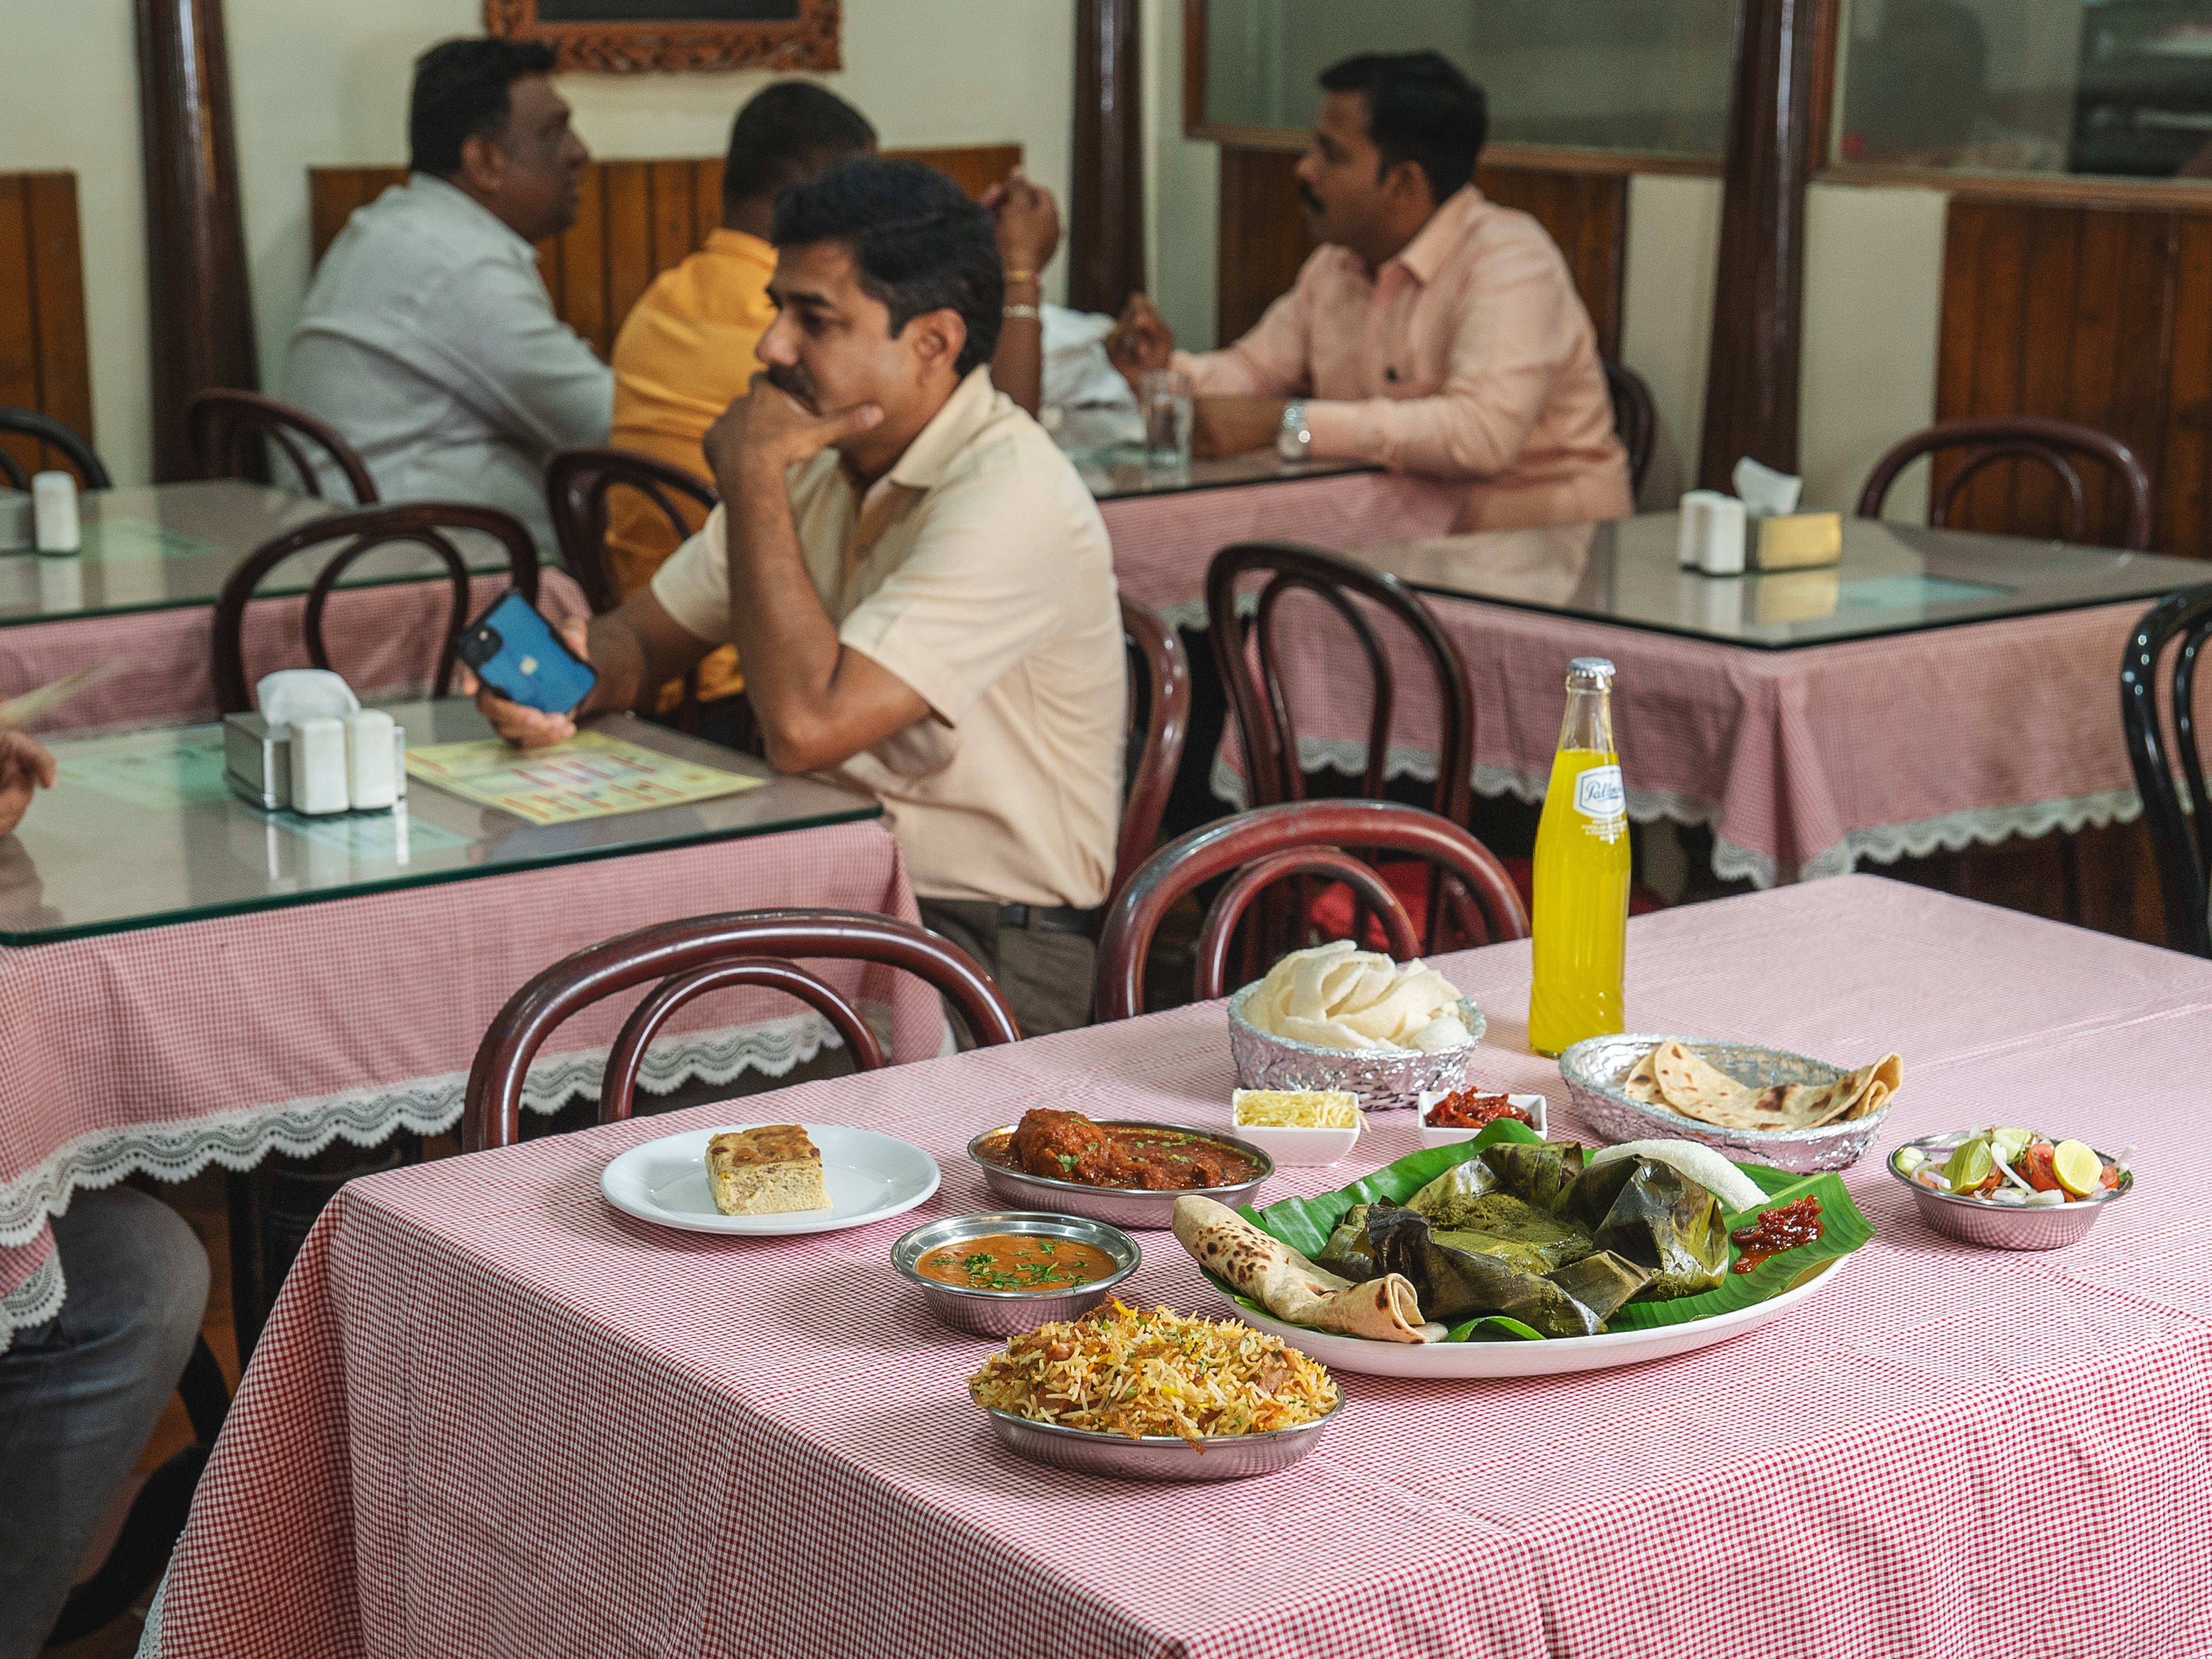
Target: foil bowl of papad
x=1742, y=1084
x=1385, y=1079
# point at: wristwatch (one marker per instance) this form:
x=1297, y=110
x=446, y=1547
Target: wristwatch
x=1294, y=438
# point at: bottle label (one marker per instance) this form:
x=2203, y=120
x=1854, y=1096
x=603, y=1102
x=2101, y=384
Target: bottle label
x=1599, y=793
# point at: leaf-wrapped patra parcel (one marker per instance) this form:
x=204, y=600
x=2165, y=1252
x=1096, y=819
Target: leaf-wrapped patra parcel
x=1348, y=1253
x=1658, y=1217
x=1456, y=1285
x=1495, y=1225
x=1535, y=1172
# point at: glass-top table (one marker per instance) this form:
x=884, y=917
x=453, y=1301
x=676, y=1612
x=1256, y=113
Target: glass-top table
x=1893, y=578
x=172, y=545
x=141, y=831
x=1112, y=474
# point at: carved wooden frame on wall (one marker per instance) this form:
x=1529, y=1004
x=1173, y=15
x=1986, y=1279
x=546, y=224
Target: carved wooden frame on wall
x=808, y=39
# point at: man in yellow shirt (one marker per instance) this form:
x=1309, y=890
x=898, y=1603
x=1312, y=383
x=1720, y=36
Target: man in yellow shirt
x=687, y=348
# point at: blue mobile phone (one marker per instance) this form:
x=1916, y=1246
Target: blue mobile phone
x=515, y=652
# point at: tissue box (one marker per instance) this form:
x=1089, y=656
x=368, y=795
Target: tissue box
x=258, y=765
x=1797, y=542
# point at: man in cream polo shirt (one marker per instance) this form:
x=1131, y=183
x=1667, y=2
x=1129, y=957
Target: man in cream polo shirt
x=917, y=581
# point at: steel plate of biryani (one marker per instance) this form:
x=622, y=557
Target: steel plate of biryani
x=1121, y=1372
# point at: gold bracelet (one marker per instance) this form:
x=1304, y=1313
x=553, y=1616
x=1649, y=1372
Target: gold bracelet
x=1021, y=276
x=1022, y=314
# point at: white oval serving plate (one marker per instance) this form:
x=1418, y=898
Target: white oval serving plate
x=1550, y=1358
x=868, y=1176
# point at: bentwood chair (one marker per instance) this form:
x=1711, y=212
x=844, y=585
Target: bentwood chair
x=428, y=525
x=232, y=434
x=1261, y=710
x=711, y=953
x=2056, y=445
x=1635, y=417
x=577, y=482
x=2180, y=829
x=1159, y=720
x=1297, y=839
x=91, y=471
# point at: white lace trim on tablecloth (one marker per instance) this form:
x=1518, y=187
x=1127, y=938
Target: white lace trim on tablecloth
x=241, y=1139
x=1882, y=844
x=34, y=1302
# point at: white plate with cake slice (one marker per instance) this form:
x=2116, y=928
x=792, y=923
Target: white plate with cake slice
x=864, y=1175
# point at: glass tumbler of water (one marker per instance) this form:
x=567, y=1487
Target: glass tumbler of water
x=1165, y=396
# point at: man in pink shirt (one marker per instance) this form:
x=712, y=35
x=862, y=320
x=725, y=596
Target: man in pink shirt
x=1433, y=331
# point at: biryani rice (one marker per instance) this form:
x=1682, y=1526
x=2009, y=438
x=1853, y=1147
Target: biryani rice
x=1117, y=1371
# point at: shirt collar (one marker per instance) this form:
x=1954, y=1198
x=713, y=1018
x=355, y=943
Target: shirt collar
x=1424, y=255
x=452, y=198
x=951, y=430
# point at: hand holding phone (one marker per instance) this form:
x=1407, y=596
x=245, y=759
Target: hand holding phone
x=532, y=679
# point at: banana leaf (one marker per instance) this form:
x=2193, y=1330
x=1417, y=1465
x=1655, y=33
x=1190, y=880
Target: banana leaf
x=1455, y=1283
x=1304, y=1223
x=1348, y=1255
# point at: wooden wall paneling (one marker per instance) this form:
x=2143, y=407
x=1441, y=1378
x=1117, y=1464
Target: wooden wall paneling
x=974, y=168
x=18, y=311
x=626, y=204
x=2182, y=507
x=706, y=195
x=583, y=302
x=64, y=349
x=677, y=229
x=1263, y=239
x=45, y=360
x=2071, y=312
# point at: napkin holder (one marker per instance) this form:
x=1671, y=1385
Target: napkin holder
x=258, y=761
x=17, y=534
x=1794, y=541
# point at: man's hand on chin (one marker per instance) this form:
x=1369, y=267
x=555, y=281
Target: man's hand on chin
x=1231, y=425
x=768, y=430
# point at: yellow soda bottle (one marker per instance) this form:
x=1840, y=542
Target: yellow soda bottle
x=1581, y=874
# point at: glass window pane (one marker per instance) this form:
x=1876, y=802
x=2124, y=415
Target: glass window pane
x=1649, y=76
x=2118, y=87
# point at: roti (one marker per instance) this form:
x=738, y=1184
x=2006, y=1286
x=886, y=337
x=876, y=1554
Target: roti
x=1675, y=1077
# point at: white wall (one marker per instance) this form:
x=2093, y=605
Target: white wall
x=1667, y=315
x=323, y=82
x=1182, y=188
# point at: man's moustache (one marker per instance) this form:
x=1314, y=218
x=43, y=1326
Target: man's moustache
x=791, y=385
x=1312, y=201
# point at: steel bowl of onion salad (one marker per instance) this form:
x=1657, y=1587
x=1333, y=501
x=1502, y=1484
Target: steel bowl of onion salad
x=1156, y=1396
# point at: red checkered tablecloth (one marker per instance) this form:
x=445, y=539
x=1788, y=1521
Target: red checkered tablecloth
x=491, y=1416
x=1804, y=761
x=222, y=1041
x=384, y=639
x=1163, y=544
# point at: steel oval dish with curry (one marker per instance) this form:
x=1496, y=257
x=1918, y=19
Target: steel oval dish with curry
x=1016, y=1261
x=1058, y=1145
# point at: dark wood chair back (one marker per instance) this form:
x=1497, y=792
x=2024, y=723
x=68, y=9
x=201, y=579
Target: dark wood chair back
x=91, y=470
x=703, y=954
x=2054, y=443
x=2180, y=830
x=233, y=433
x=1635, y=417
x=1159, y=720
x=1298, y=839
x=1257, y=702
x=577, y=484
x=424, y=524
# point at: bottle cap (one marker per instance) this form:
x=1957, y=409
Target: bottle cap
x=1590, y=668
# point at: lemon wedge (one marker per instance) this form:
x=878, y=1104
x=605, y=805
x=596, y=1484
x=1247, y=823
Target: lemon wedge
x=2077, y=1166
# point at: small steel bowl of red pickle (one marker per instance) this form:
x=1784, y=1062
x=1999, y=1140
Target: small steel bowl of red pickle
x=2011, y=1189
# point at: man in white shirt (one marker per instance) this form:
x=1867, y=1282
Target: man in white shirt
x=428, y=338
x=919, y=586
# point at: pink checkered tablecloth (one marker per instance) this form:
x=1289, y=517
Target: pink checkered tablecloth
x=222, y=1041
x=1163, y=544
x=1803, y=761
x=491, y=1416
x=385, y=640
